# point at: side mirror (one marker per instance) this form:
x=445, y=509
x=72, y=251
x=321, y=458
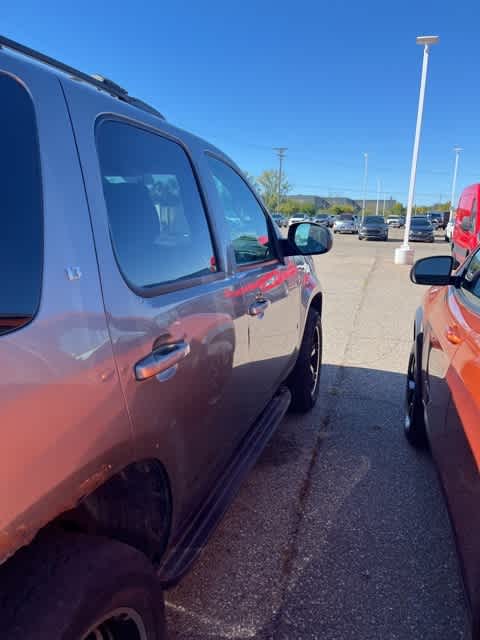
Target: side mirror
x=307, y=239
x=466, y=224
x=435, y=270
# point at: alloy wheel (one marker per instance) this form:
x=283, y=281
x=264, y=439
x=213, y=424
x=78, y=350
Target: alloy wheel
x=315, y=359
x=410, y=393
x=121, y=624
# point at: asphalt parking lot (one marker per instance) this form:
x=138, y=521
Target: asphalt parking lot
x=340, y=532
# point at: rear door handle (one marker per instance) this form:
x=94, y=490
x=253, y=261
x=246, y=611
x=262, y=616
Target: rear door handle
x=259, y=307
x=161, y=359
x=452, y=335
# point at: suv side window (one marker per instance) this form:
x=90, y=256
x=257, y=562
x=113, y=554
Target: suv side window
x=21, y=240
x=470, y=285
x=249, y=231
x=158, y=226
x=473, y=215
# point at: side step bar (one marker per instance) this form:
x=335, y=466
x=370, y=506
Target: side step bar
x=186, y=549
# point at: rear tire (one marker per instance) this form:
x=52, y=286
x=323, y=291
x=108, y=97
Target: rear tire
x=414, y=423
x=76, y=587
x=304, y=381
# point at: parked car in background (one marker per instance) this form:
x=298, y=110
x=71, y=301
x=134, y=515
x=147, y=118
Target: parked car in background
x=331, y=220
x=373, y=228
x=345, y=223
x=421, y=230
x=279, y=219
x=322, y=218
x=449, y=230
x=154, y=330
x=442, y=403
x=296, y=218
x=396, y=221
x=435, y=218
x=466, y=232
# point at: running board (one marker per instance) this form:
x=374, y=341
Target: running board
x=188, y=546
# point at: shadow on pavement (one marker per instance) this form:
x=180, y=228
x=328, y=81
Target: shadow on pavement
x=340, y=532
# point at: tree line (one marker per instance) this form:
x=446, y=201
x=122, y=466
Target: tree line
x=267, y=185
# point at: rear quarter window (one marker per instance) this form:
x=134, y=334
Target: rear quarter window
x=21, y=240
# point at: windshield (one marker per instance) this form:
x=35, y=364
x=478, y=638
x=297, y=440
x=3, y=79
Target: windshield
x=374, y=220
x=420, y=222
x=345, y=216
x=322, y=216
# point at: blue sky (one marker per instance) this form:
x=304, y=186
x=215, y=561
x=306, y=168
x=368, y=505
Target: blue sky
x=329, y=80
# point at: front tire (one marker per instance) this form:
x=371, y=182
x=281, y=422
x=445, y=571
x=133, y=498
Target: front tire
x=414, y=424
x=71, y=586
x=304, y=381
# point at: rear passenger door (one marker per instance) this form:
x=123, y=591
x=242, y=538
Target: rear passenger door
x=270, y=286
x=179, y=341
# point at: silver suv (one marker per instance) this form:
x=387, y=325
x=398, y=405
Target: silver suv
x=154, y=329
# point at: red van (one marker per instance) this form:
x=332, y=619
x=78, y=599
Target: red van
x=466, y=232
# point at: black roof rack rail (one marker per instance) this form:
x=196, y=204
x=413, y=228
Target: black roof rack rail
x=104, y=84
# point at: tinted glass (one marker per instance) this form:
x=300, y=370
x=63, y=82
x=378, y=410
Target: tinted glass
x=374, y=219
x=471, y=279
x=21, y=239
x=345, y=216
x=157, y=222
x=420, y=222
x=245, y=218
x=473, y=215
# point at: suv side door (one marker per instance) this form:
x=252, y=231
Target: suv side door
x=270, y=285
x=179, y=341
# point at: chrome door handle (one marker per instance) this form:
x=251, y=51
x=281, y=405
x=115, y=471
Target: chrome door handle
x=259, y=307
x=161, y=359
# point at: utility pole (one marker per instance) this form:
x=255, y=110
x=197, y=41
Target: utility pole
x=281, y=154
x=454, y=181
x=365, y=178
x=378, y=195
x=384, y=198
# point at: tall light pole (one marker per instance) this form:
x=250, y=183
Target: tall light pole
x=378, y=195
x=281, y=154
x=384, y=198
x=404, y=255
x=454, y=181
x=365, y=178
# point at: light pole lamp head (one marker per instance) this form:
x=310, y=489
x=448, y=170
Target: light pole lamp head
x=427, y=40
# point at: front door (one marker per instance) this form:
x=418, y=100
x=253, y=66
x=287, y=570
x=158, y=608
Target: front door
x=456, y=438
x=179, y=341
x=270, y=286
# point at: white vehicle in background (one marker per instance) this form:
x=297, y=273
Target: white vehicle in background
x=296, y=217
x=449, y=230
x=396, y=222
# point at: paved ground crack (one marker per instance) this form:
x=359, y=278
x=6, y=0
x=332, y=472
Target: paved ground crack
x=291, y=551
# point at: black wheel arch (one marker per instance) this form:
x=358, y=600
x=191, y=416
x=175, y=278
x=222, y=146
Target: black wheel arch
x=316, y=303
x=134, y=506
